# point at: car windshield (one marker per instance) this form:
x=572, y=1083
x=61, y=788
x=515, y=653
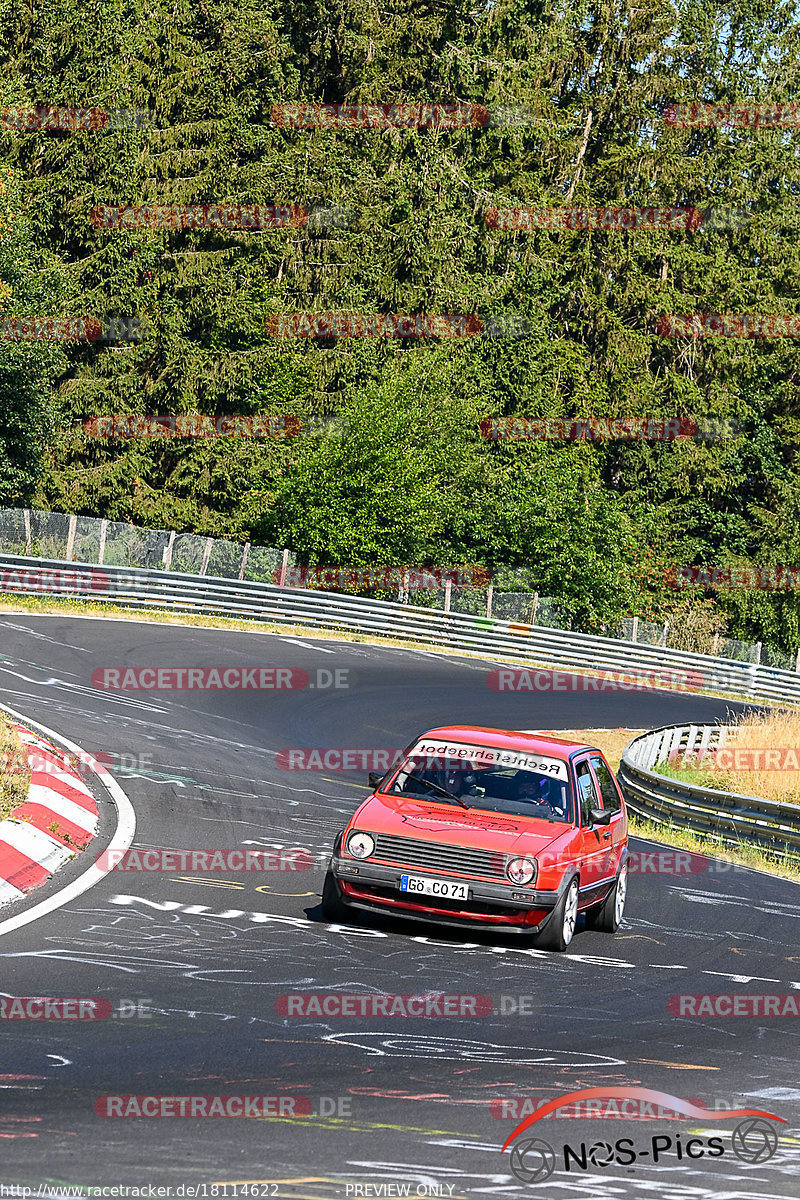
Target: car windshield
x=486, y=778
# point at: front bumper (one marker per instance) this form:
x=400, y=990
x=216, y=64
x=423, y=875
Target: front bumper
x=371, y=886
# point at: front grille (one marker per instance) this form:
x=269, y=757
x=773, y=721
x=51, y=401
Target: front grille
x=407, y=852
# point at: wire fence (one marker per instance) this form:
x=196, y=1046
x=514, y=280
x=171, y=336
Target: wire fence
x=119, y=544
x=50, y=535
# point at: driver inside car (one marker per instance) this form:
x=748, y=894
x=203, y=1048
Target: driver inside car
x=537, y=790
x=459, y=782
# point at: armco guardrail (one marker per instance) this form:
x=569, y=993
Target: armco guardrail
x=511, y=595
x=733, y=817
x=144, y=590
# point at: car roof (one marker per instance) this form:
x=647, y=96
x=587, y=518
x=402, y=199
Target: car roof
x=527, y=740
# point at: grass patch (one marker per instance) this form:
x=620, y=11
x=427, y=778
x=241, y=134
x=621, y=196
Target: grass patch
x=737, y=853
x=697, y=777
x=14, y=773
x=157, y=616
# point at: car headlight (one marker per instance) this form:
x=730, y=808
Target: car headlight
x=521, y=870
x=360, y=845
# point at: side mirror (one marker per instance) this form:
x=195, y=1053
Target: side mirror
x=599, y=816
x=374, y=778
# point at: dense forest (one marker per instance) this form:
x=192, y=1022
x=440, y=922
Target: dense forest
x=409, y=220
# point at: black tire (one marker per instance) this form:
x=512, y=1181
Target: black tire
x=333, y=908
x=607, y=916
x=558, y=932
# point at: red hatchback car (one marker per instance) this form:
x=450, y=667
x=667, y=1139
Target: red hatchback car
x=488, y=828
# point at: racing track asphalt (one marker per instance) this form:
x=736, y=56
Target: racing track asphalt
x=207, y=957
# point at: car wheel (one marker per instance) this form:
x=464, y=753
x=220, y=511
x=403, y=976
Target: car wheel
x=607, y=916
x=333, y=909
x=558, y=932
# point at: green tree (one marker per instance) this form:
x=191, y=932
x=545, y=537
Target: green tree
x=590, y=84
x=31, y=286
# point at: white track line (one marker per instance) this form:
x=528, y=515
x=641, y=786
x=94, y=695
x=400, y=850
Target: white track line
x=121, y=840
x=307, y=645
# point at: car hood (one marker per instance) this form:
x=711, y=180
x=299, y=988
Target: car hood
x=447, y=824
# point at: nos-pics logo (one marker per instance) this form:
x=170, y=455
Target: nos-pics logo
x=533, y=1160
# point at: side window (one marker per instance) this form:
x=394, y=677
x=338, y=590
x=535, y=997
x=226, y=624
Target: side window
x=607, y=787
x=587, y=792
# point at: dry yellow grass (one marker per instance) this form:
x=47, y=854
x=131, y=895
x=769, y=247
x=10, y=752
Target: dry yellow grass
x=772, y=737
x=612, y=742
x=779, y=729
x=14, y=773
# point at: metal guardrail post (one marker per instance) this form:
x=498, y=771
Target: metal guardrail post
x=168, y=551
x=73, y=525
x=753, y=678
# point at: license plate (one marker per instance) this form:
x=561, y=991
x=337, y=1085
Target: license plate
x=445, y=889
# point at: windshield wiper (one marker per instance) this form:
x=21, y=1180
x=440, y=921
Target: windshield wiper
x=438, y=789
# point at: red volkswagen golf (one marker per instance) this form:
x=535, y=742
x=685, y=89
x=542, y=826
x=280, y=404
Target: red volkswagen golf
x=489, y=828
